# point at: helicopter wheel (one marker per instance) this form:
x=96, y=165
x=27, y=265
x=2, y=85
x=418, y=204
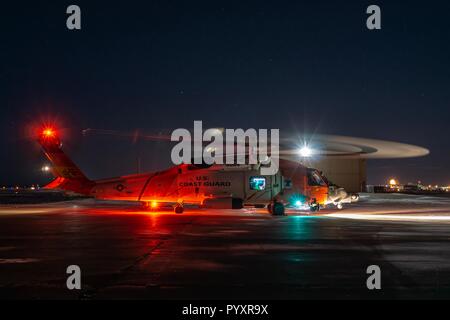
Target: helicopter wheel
x=277, y=209
x=178, y=208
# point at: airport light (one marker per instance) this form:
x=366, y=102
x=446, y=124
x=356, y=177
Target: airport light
x=45, y=169
x=305, y=152
x=154, y=204
x=393, y=182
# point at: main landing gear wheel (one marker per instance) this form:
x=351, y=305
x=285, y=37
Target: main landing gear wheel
x=276, y=208
x=178, y=209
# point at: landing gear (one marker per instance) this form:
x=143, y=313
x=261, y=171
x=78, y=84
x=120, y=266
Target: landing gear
x=276, y=208
x=178, y=209
x=355, y=197
x=314, y=206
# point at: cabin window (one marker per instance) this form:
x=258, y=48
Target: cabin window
x=258, y=183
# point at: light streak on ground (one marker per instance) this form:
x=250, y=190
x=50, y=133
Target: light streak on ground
x=389, y=217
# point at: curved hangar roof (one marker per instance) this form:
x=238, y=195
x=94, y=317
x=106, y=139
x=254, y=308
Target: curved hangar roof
x=348, y=147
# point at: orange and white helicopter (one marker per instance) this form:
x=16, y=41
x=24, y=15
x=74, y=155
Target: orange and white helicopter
x=208, y=186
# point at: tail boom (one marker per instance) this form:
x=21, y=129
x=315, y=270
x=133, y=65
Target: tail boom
x=68, y=176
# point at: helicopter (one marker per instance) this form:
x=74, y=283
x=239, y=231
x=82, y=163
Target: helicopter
x=216, y=186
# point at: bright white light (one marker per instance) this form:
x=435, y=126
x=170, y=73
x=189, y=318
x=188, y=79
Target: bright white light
x=389, y=217
x=298, y=203
x=46, y=168
x=305, y=152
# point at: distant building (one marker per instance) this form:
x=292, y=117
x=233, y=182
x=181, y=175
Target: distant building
x=343, y=160
x=348, y=173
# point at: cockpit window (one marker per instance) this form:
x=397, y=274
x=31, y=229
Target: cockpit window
x=314, y=179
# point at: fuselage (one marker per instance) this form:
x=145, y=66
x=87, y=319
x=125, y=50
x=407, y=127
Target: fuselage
x=191, y=184
x=194, y=184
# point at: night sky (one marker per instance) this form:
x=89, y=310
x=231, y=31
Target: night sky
x=299, y=65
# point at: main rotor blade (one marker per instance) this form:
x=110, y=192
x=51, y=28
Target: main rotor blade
x=135, y=135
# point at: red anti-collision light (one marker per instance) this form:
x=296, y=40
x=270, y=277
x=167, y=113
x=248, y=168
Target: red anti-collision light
x=48, y=136
x=48, y=133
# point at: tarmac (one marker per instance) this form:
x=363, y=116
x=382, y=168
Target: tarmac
x=125, y=252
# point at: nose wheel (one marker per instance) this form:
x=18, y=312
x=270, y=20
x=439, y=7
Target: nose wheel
x=314, y=206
